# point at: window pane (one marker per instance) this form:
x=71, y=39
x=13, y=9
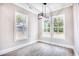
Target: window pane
x=58, y=27
x=55, y=29
x=48, y=29
x=46, y=26
x=21, y=26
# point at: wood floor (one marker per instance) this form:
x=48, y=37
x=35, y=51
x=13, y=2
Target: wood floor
x=41, y=49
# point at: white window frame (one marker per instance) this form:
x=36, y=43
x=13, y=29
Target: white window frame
x=63, y=16
x=16, y=12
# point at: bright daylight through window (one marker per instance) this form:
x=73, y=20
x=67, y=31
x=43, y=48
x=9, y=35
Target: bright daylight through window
x=21, y=26
x=59, y=26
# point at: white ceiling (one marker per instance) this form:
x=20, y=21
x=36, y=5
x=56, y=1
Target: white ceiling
x=50, y=6
x=37, y=7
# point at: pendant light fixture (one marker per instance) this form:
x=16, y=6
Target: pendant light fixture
x=43, y=13
x=44, y=9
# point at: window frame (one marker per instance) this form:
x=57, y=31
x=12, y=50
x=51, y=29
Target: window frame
x=26, y=17
x=46, y=28
x=63, y=16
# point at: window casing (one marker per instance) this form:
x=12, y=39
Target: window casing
x=21, y=26
x=58, y=26
x=46, y=26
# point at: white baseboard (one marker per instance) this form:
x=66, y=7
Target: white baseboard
x=76, y=54
x=15, y=48
x=23, y=45
x=61, y=45
x=57, y=44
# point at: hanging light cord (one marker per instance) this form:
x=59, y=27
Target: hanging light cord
x=44, y=4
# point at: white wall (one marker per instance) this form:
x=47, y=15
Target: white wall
x=69, y=28
x=68, y=12
x=7, y=18
x=76, y=27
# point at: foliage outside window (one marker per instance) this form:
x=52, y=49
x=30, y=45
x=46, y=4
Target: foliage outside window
x=21, y=24
x=46, y=26
x=58, y=24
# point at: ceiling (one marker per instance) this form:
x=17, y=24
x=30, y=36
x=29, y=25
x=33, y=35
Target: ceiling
x=37, y=7
x=50, y=6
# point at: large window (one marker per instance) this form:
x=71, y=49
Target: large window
x=21, y=26
x=58, y=27
x=58, y=24
x=54, y=29
x=46, y=26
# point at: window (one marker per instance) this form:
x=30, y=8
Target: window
x=58, y=26
x=21, y=26
x=46, y=26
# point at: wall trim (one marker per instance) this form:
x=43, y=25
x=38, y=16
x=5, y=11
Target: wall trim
x=61, y=45
x=23, y=45
x=16, y=47
x=26, y=7
x=75, y=52
x=57, y=44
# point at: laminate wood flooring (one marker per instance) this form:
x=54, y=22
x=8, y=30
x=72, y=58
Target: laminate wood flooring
x=41, y=49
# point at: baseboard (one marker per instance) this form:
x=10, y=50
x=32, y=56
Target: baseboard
x=15, y=48
x=20, y=46
x=57, y=44
x=65, y=46
x=76, y=54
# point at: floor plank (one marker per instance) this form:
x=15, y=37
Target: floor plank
x=41, y=49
